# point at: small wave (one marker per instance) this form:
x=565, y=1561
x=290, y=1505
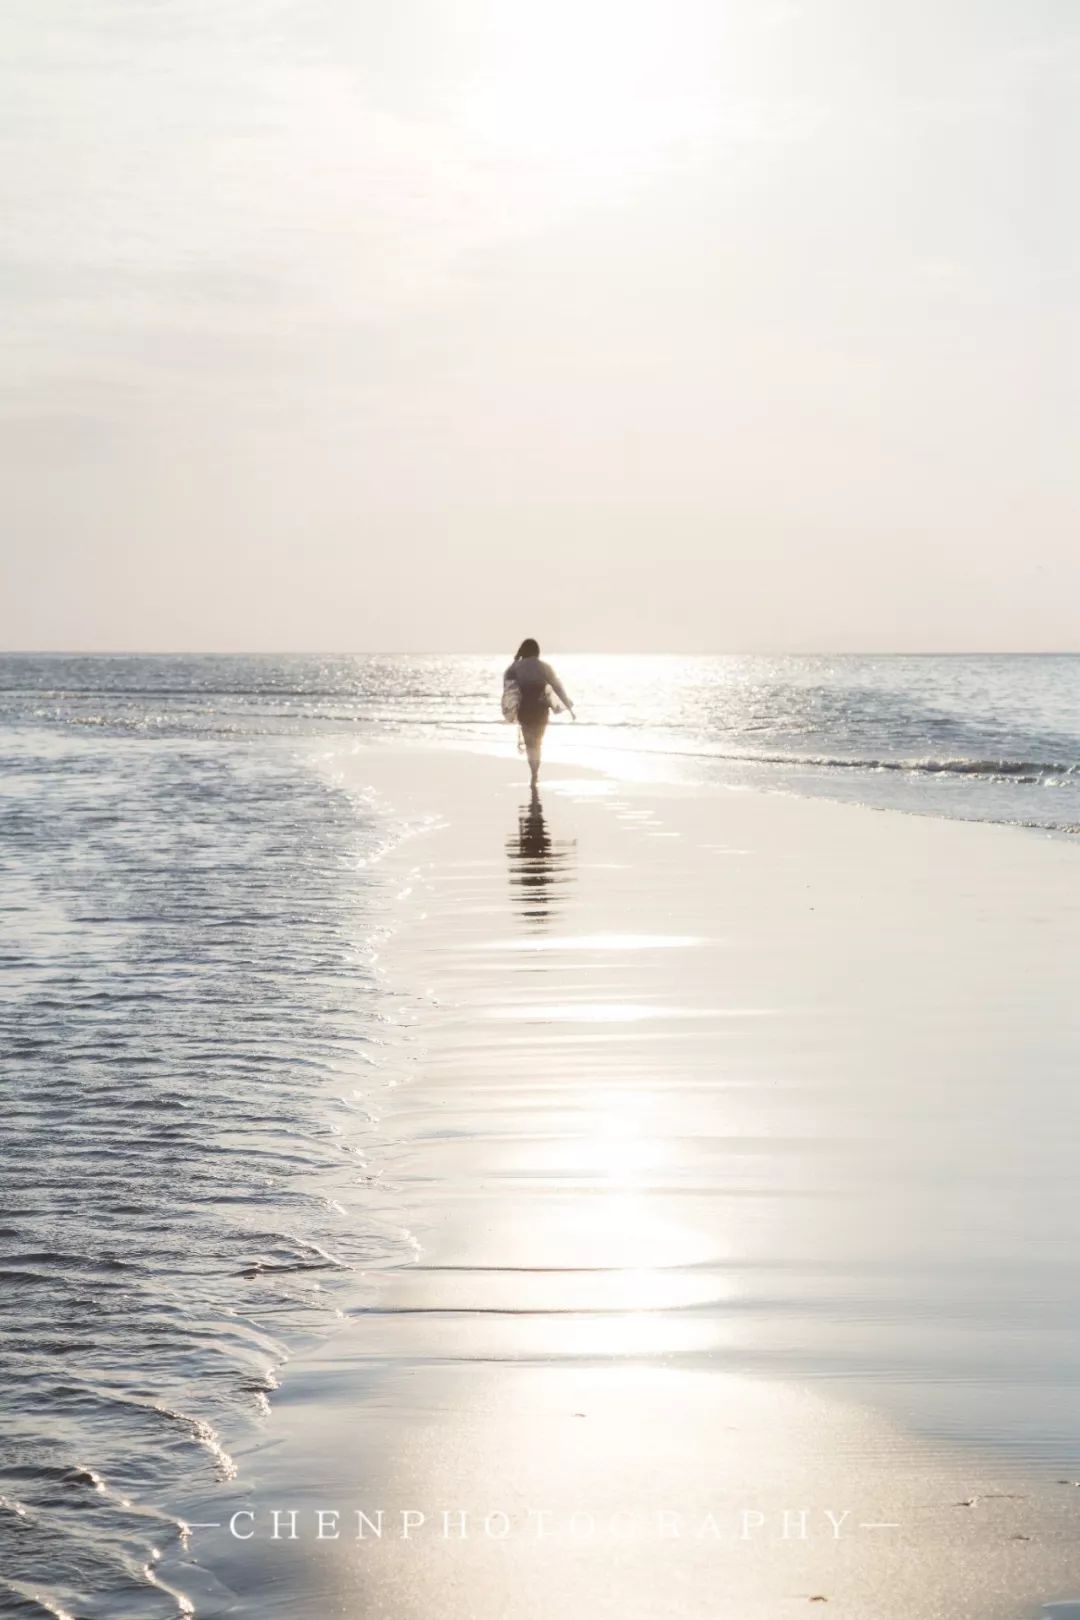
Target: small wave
x=184, y=1605
x=87, y=1476
x=1022, y=770
x=66, y=1260
x=1015, y=770
x=32, y=1602
x=204, y=1434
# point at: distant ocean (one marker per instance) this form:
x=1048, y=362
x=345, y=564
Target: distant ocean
x=193, y=1032
x=991, y=738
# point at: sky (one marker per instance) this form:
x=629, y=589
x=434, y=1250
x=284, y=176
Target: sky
x=688, y=325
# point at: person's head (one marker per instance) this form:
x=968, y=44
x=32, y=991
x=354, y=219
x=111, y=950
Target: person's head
x=528, y=649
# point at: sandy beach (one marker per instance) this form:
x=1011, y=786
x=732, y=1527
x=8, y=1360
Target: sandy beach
x=729, y=1131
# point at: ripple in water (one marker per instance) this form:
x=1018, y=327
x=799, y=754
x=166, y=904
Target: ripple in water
x=194, y=1037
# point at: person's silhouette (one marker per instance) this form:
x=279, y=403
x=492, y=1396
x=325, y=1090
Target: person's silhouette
x=531, y=689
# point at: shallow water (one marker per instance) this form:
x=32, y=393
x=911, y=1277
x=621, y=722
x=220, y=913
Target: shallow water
x=193, y=1049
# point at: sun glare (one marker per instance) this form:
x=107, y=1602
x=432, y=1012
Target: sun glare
x=591, y=89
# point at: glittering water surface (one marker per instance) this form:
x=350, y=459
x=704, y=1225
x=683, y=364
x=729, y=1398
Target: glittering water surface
x=191, y=1057
x=196, y=1041
x=987, y=737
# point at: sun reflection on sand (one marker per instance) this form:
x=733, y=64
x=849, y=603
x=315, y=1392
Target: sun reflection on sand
x=616, y=1012
x=597, y=942
x=619, y=1265
x=601, y=1263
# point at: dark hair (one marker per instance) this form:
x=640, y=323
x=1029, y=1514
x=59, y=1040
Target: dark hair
x=528, y=649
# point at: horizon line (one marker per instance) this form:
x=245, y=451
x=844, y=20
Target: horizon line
x=566, y=652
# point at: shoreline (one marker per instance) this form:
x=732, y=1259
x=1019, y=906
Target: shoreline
x=670, y=1142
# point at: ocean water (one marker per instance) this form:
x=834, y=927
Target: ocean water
x=992, y=737
x=195, y=1039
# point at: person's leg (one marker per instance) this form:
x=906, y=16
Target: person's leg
x=533, y=731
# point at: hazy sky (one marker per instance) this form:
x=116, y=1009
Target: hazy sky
x=429, y=324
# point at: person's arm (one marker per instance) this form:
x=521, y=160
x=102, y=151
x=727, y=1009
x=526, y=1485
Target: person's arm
x=558, y=688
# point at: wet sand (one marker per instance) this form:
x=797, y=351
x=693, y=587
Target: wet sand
x=734, y=1136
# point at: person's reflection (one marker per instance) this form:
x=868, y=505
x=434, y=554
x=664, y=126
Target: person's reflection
x=540, y=866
